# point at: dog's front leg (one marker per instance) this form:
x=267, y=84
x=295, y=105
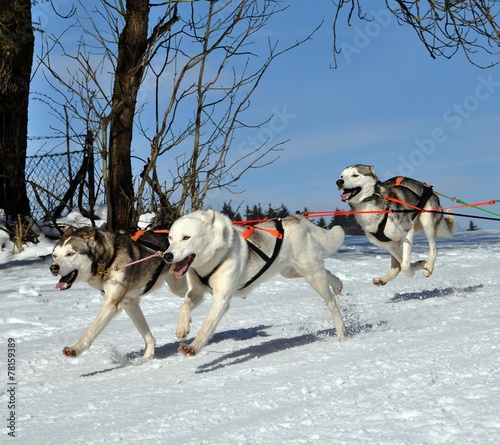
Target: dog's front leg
x=430, y=229
x=220, y=305
x=193, y=298
x=109, y=310
x=391, y=274
x=406, y=265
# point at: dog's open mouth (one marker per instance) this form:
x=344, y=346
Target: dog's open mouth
x=182, y=266
x=66, y=281
x=349, y=194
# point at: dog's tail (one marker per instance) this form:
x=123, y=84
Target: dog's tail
x=446, y=226
x=330, y=240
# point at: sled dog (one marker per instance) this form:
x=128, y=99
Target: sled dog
x=97, y=257
x=363, y=191
x=229, y=260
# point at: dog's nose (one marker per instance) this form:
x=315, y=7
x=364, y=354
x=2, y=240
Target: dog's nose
x=54, y=269
x=168, y=257
x=340, y=183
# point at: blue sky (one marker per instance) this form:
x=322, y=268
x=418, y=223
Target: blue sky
x=388, y=104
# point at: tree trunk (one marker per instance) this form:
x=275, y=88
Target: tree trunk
x=16, y=58
x=132, y=46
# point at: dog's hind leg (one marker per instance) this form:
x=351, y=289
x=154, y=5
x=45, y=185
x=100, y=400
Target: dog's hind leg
x=335, y=283
x=135, y=313
x=321, y=282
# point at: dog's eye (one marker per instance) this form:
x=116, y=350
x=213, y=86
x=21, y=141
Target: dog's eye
x=70, y=253
x=355, y=176
x=185, y=237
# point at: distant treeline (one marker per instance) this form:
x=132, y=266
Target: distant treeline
x=347, y=222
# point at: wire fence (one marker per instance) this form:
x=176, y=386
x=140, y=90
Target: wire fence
x=57, y=182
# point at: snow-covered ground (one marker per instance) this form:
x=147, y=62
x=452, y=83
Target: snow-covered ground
x=421, y=364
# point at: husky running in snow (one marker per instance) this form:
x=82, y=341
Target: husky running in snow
x=97, y=257
x=226, y=259
x=363, y=191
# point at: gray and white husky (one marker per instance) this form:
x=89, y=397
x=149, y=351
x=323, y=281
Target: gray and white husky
x=226, y=259
x=391, y=223
x=97, y=257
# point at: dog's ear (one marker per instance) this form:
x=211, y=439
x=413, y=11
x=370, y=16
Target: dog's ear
x=371, y=169
x=68, y=232
x=90, y=233
x=209, y=216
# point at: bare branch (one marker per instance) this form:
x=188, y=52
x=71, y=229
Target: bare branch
x=443, y=26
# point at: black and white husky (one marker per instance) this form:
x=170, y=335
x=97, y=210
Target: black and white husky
x=389, y=221
x=97, y=257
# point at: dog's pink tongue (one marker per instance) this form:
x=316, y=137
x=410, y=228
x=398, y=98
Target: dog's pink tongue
x=181, y=267
x=61, y=285
x=345, y=196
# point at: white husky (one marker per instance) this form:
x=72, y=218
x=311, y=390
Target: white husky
x=390, y=213
x=227, y=259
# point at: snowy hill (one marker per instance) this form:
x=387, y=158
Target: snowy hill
x=420, y=364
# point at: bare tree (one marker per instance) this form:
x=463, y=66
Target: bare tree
x=16, y=57
x=132, y=45
x=216, y=80
x=203, y=71
x=114, y=39
x=443, y=26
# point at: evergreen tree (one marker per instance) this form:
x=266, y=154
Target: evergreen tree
x=321, y=223
x=228, y=211
x=472, y=227
x=255, y=213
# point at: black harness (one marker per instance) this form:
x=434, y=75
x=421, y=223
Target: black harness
x=379, y=234
x=160, y=267
x=100, y=268
x=267, y=259
x=426, y=194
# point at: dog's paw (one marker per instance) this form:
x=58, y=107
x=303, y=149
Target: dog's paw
x=187, y=350
x=69, y=352
x=427, y=272
x=341, y=334
x=141, y=360
x=379, y=282
x=337, y=288
x=147, y=357
x=181, y=332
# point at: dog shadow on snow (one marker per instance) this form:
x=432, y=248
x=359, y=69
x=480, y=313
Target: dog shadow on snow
x=272, y=346
x=171, y=349
x=434, y=293
x=241, y=355
x=275, y=345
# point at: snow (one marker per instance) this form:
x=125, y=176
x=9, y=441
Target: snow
x=420, y=364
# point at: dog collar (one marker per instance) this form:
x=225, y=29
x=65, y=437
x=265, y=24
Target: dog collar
x=371, y=198
x=376, y=194
x=101, y=269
